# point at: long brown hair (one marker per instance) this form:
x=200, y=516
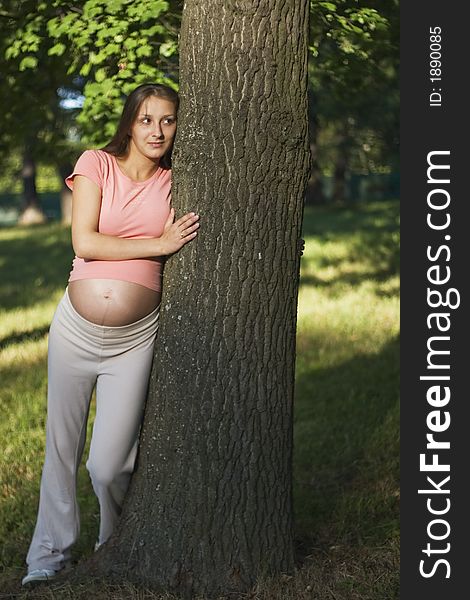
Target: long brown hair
x=119, y=144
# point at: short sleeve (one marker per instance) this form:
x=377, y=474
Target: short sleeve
x=89, y=165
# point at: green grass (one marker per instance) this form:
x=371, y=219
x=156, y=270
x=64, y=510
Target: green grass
x=346, y=407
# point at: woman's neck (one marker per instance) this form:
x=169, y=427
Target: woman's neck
x=136, y=166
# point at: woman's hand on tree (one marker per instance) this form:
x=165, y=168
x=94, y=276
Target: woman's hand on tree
x=178, y=233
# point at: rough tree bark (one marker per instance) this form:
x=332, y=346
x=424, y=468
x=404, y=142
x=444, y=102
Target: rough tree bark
x=31, y=212
x=210, y=506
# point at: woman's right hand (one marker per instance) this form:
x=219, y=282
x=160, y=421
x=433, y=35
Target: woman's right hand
x=178, y=233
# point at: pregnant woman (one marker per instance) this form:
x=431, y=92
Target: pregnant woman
x=104, y=328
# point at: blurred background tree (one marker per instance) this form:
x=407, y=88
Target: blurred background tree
x=66, y=67
x=34, y=124
x=354, y=98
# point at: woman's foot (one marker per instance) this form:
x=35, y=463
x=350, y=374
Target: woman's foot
x=38, y=575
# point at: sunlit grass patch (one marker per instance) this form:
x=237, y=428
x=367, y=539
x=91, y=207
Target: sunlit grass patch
x=346, y=408
x=27, y=320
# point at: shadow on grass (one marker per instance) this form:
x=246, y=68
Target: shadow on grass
x=350, y=279
x=346, y=451
x=33, y=264
x=325, y=222
x=27, y=336
x=371, y=231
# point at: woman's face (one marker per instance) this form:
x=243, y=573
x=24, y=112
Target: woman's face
x=154, y=129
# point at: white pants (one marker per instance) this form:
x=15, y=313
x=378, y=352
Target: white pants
x=118, y=360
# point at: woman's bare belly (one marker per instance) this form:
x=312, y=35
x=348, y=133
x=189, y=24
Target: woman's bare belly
x=112, y=302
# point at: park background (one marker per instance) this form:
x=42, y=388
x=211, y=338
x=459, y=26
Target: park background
x=64, y=68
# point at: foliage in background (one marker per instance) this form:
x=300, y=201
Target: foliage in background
x=62, y=50
x=96, y=51
x=354, y=83
x=32, y=121
x=114, y=45
x=103, y=48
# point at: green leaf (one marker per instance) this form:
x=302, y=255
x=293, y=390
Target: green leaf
x=130, y=43
x=57, y=50
x=112, y=49
x=167, y=49
x=85, y=70
x=107, y=86
x=328, y=6
x=28, y=62
x=53, y=27
x=125, y=74
x=92, y=12
x=12, y=52
x=144, y=51
x=100, y=75
x=147, y=70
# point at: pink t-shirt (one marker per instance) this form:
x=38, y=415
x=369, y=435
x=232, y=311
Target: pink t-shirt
x=129, y=209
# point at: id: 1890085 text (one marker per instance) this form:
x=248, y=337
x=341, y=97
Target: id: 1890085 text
x=435, y=66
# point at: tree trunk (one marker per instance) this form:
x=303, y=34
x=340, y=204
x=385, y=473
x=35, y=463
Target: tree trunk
x=339, y=195
x=63, y=170
x=32, y=212
x=314, y=195
x=209, y=509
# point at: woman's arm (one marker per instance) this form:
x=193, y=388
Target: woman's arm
x=88, y=243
